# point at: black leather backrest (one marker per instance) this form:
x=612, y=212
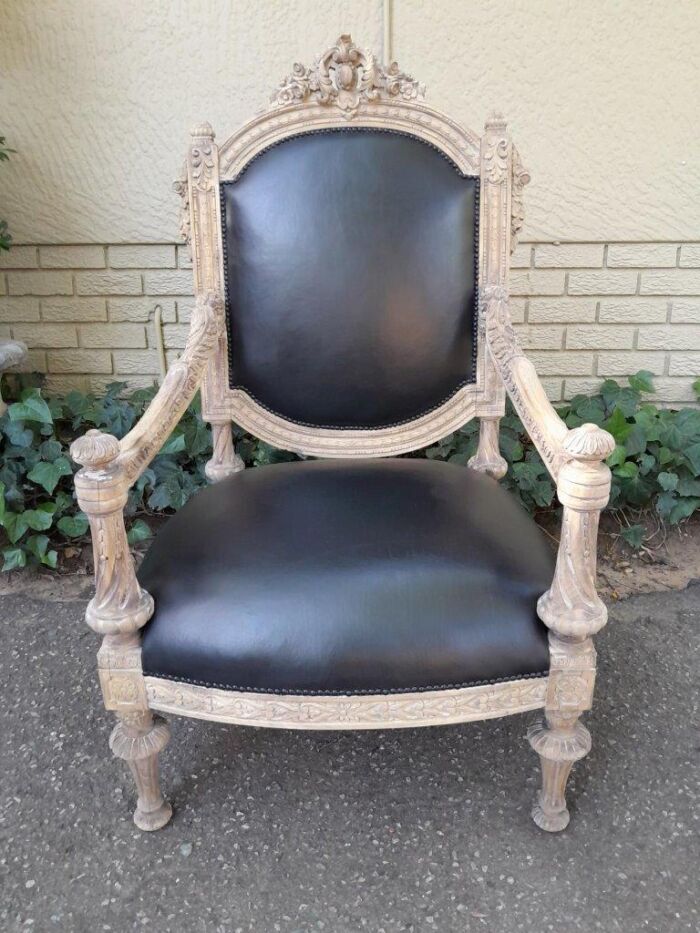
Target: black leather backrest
x=351, y=275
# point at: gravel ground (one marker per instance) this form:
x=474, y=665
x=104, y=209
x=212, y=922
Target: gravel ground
x=399, y=831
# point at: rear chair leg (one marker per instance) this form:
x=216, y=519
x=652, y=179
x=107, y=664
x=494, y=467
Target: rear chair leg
x=137, y=738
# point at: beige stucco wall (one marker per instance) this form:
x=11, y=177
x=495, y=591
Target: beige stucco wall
x=98, y=96
x=602, y=97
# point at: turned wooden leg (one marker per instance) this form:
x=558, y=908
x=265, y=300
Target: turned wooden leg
x=137, y=738
x=224, y=461
x=559, y=740
x=487, y=458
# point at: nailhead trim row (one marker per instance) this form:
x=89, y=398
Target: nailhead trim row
x=327, y=693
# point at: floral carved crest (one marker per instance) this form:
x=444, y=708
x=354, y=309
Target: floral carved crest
x=345, y=76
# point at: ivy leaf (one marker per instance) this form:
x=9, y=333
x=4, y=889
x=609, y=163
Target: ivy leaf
x=511, y=448
x=665, y=503
x=50, y=450
x=636, y=442
x=15, y=525
x=688, y=486
x=617, y=426
x=139, y=531
x=40, y=518
x=684, y=508
x=174, y=445
x=647, y=462
x=642, y=381
x=38, y=546
x=73, y=526
x=627, y=470
x=2, y=502
x=668, y=481
x=17, y=434
x=617, y=457
x=693, y=455
x=14, y=558
x=48, y=474
x=696, y=388
x=634, y=535
x=32, y=407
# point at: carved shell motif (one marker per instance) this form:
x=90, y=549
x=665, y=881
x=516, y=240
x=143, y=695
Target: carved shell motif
x=345, y=76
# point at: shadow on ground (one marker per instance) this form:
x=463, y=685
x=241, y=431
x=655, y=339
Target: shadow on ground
x=397, y=831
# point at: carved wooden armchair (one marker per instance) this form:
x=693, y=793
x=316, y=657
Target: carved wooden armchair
x=351, y=251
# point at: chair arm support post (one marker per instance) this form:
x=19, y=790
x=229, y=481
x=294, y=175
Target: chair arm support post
x=224, y=460
x=573, y=612
x=487, y=458
x=119, y=605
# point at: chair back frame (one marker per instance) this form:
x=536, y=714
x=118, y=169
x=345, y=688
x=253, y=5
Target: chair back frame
x=347, y=86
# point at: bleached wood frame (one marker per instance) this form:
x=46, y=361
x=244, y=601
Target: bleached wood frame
x=347, y=84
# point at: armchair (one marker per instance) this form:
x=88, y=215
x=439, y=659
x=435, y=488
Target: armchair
x=350, y=252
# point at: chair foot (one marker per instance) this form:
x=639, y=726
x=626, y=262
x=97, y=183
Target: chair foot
x=560, y=741
x=138, y=738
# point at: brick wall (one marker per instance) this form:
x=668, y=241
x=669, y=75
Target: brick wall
x=584, y=311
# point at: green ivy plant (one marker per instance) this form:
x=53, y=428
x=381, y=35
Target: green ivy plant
x=655, y=464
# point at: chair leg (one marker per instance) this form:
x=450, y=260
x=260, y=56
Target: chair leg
x=137, y=738
x=559, y=741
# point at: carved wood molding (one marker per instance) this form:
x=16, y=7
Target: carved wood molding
x=345, y=76
x=537, y=413
x=394, y=711
x=379, y=442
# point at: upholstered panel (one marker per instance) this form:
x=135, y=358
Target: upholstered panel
x=351, y=275
x=348, y=576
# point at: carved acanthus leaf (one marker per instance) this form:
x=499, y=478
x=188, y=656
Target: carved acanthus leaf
x=345, y=76
x=521, y=177
x=181, y=188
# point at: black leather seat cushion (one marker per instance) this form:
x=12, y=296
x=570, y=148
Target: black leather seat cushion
x=348, y=576
x=350, y=263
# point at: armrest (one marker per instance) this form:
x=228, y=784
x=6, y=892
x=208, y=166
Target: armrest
x=522, y=383
x=142, y=443
x=110, y=467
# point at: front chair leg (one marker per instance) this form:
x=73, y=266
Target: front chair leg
x=138, y=738
x=560, y=741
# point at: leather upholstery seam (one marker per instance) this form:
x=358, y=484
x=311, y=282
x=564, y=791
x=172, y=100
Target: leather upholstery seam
x=475, y=316
x=389, y=691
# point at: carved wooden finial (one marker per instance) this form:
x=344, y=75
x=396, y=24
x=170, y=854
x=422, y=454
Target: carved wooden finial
x=588, y=442
x=346, y=76
x=202, y=131
x=496, y=122
x=95, y=449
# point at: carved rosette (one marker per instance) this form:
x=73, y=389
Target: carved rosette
x=345, y=76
